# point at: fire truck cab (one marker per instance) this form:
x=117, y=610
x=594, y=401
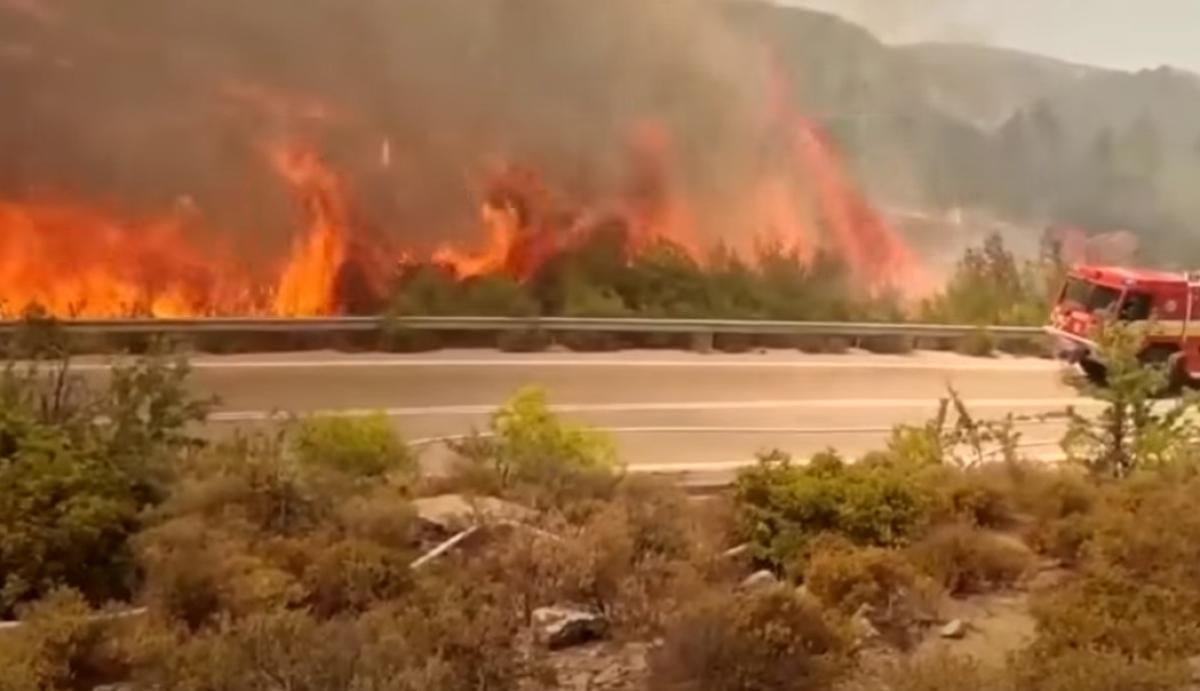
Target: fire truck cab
x=1092, y=295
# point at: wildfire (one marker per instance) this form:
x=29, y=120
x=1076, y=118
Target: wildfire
x=73, y=260
x=308, y=283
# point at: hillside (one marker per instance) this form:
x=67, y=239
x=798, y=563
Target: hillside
x=986, y=85
x=1029, y=139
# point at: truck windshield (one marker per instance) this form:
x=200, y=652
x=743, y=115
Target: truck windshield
x=1135, y=307
x=1091, y=297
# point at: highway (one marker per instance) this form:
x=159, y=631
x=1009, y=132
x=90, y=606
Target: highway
x=666, y=410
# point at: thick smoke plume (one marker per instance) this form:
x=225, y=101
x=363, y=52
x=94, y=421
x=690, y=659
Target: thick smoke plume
x=406, y=114
x=159, y=103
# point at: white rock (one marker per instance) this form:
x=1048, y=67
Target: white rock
x=758, y=579
x=563, y=627
x=955, y=629
x=454, y=512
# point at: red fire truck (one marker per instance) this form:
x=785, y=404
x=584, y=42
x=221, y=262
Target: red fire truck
x=1093, y=294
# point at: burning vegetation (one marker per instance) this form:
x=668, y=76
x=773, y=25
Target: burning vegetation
x=205, y=213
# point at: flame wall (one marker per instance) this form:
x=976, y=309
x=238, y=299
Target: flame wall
x=222, y=156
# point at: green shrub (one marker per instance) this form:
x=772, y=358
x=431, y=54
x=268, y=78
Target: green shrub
x=770, y=639
x=989, y=286
x=963, y=559
x=532, y=452
x=1133, y=432
x=65, y=519
x=358, y=447
x=782, y=507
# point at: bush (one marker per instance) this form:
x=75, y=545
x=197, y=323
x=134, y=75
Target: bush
x=533, y=453
x=982, y=497
x=65, y=519
x=1072, y=670
x=1137, y=592
x=365, y=447
x=931, y=672
x=636, y=558
x=978, y=343
x=72, y=490
x=62, y=645
x=847, y=578
x=768, y=639
x=1132, y=432
x=1059, y=505
x=989, y=286
x=963, y=559
x=782, y=507
x=353, y=575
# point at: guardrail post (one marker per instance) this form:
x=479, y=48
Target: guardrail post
x=702, y=341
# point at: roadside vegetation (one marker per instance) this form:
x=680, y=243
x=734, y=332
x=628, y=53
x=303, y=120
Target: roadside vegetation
x=320, y=556
x=989, y=286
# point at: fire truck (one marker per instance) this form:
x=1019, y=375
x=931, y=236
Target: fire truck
x=1170, y=302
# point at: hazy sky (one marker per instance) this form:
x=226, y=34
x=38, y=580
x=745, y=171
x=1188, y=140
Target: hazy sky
x=1129, y=34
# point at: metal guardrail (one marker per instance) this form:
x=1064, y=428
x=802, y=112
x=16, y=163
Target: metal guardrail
x=509, y=324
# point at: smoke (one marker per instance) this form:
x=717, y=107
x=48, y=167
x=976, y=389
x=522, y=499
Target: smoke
x=144, y=105
x=908, y=21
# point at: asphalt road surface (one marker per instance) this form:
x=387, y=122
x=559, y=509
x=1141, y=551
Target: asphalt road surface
x=667, y=410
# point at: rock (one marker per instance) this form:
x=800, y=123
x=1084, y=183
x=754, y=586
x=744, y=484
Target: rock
x=736, y=552
x=453, y=513
x=758, y=579
x=861, y=626
x=954, y=629
x=1194, y=667
x=563, y=627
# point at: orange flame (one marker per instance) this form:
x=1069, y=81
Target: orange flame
x=308, y=284
x=72, y=260
x=870, y=245
x=502, y=227
x=77, y=261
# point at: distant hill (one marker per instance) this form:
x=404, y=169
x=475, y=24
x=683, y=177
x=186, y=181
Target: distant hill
x=986, y=85
x=1030, y=139
x=1115, y=100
